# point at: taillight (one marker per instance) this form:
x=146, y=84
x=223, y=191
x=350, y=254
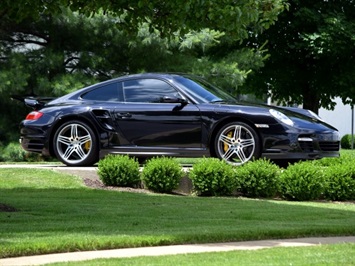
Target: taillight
x=34, y=115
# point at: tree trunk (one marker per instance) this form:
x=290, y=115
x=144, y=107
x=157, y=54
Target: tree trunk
x=310, y=99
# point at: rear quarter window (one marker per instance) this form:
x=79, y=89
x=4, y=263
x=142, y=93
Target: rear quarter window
x=107, y=93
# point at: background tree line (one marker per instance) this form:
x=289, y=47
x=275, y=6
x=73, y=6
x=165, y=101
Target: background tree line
x=260, y=47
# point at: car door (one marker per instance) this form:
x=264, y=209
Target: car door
x=149, y=116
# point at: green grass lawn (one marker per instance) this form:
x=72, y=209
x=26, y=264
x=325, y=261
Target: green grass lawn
x=57, y=213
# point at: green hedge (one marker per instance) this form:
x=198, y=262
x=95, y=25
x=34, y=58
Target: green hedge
x=340, y=181
x=119, y=170
x=302, y=181
x=345, y=141
x=213, y=177
x=162, y=174
x=325, y=179
x=258, y=178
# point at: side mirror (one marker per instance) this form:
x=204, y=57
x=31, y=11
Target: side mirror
x=167, y=99
x=182, y=102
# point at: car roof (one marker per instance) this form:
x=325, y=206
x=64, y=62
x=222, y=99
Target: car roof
x=117, y=79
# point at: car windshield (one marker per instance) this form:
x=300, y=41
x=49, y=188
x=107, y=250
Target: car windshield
x=203, y=91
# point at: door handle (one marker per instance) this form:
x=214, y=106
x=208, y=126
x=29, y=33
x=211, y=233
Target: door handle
x=123, y=115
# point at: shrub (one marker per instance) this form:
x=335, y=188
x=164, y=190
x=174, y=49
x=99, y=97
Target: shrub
x=119, y=170
x=258, y=178
x=1, y=152
x=340, y=182
x=162, y=174
x=328, y=161
x=344, y=158
x=213, y=177
x=345, y=141
x=13, y=153
x=302, y=181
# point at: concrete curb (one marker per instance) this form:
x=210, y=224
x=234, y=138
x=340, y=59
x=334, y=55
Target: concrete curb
x=172, y=250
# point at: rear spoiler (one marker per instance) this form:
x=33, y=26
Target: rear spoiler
x=33, y=102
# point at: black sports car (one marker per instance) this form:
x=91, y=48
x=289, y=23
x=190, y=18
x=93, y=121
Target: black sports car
x=147, y=115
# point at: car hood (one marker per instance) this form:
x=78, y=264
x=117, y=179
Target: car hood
x=301, y=117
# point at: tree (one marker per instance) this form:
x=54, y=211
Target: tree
x=57, y=54
x=312, y=52
x=46, y=49
x=237, y=18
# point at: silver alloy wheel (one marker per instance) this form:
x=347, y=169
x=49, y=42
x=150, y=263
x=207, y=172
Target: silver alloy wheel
x=73, y=143
x=236, y=144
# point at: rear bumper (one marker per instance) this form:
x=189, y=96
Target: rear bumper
x=34, y=139
x=34, y=144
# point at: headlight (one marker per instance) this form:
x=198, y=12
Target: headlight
x=281, y=117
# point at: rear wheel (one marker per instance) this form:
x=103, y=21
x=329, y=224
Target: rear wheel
x=75, y=144
x=237, y=143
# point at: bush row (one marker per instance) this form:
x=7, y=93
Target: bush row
x=159, y=174
x=325, y=179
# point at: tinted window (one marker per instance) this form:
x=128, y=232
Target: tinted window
x=109, y=92
x=147, y=90
x=204, y=91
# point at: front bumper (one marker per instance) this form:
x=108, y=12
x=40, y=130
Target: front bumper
x=302, y=146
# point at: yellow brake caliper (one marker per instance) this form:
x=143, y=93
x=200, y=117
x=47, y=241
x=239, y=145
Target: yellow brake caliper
x=87, y=146
x=225, y=146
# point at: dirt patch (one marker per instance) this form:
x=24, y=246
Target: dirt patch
x=91, y=179
x=97, y=184
x=7, y=208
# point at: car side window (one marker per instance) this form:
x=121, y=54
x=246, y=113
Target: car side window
x=108, y=93
x=147, y=90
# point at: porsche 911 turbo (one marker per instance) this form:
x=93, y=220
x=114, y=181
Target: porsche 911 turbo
x=175, y=115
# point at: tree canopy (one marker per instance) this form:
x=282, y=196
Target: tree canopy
x=312, y=54
x=61, y=52
x=237, y=18
x=50, y=47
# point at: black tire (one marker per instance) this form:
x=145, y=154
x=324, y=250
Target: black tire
x=237, y=143
x=142, y=160
x=75, y=144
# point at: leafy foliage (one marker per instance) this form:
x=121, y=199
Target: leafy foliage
x=213, y=177
x=311, y=51
x=116, y=170
x=302, y=181
x=162, y=174
x=346, y=141
x=258, y=178
x=169, y=16
x=340, y=181
x=13, y=152
x=61, y=52
x=325, y=162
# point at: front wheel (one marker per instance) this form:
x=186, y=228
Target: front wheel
x=237, y=143
x=75, y=144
